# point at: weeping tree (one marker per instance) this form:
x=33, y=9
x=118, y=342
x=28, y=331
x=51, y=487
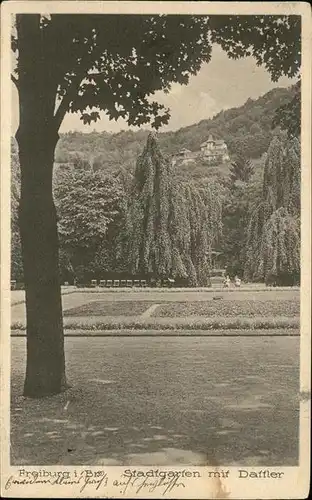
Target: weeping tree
x=273, y=241
x=204, y=209
x=280, y=248
x=171, y=226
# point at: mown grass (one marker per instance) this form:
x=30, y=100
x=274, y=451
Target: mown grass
x=113, y=308
x=233, y=400
x=229, y=308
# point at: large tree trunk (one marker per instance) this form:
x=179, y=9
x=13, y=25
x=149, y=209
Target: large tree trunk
x=45, y=373
x=37, y=138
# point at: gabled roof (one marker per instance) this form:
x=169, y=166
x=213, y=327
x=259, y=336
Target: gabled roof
x=218, y=142
x=210, y=139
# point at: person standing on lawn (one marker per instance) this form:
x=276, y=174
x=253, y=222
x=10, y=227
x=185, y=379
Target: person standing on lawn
x=237, y=281
x=227, y=282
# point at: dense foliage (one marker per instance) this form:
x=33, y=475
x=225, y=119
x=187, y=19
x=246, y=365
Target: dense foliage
x=273, y=240
x=91, y=208
x=152, y=223
x=240, y=200
x=171, y=226
x=101, y=204
x=241, y=169
x=288, y=115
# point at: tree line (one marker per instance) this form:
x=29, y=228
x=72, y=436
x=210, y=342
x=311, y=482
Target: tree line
x=152, y=223
x=158, y=223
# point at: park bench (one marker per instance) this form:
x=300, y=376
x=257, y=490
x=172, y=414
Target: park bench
x=123, y=283
x=129, y=283
x=143, y=283
x=116, y=283
x=94, y=283
x=102, y=282
x=13, y=284
x=109, y=283
x=217, y=278
x=136, y=283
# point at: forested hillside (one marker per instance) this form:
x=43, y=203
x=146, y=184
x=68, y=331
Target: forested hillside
x=247, y=129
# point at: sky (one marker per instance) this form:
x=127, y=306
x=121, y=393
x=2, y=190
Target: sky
x=220, y=84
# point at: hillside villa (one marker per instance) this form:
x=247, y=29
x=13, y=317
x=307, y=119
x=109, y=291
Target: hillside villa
x=211, y=151
x=214, y=150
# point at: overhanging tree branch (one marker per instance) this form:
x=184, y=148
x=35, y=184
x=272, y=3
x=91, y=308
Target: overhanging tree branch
x=64, y=105
x=15, y=81
x=62, y=109
x=67, y=98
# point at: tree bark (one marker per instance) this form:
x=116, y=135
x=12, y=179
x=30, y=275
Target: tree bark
x=45, y=372
x=37, y=138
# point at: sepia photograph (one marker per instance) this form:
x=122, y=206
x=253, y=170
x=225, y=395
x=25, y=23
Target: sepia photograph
x=154, y=307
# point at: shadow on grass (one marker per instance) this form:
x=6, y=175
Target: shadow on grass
x=163, y=401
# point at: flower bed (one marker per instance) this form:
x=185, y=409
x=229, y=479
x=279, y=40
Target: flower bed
x=174, y=324
x=229, y=308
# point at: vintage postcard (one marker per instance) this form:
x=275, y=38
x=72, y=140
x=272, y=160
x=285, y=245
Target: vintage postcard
x=155, y=249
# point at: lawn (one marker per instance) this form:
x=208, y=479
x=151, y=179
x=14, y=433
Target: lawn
x=176, y=310
x=109, y=308
x=142, y=401
x=230, y=308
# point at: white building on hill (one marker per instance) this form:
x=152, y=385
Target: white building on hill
x=211, y=151
x=214, y=150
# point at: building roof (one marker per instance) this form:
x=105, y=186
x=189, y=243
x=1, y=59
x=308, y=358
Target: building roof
x=217, y=142
x=210, y=139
